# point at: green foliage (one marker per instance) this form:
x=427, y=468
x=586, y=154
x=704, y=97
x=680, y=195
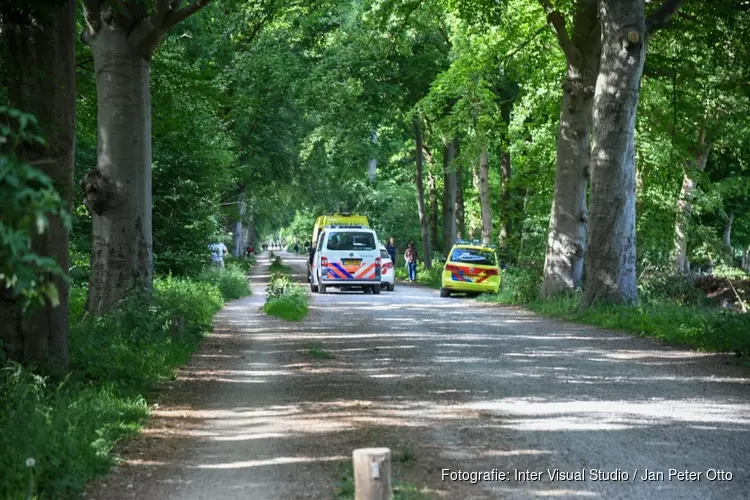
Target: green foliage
x=432, y=278
x=285, y=299
x=231, y=280
x=70, y=426
x=674, y=309
x=317, y=351
x=29, y=201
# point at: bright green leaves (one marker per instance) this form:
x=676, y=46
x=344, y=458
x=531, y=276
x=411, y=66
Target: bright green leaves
x=29, y=200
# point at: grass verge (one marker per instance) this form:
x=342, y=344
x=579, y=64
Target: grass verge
x=59, y=433
x=284, y=298
x=660, y=316
x=431, y=278
x=317, y=351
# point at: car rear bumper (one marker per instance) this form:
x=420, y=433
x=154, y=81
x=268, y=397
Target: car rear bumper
x=349, y=282
x=457, y=286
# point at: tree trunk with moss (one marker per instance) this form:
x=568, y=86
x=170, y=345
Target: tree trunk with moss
x=41, y=63
x=422, y=210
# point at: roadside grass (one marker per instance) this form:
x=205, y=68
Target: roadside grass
x=431, y=278
x=663, y=314
x=317, y=351
x=277, y=267
x=284, y=298
x=70, y=426
x=401, y=490
x=231, y=280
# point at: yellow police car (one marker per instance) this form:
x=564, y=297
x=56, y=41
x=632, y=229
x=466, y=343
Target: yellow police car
x=471, y=268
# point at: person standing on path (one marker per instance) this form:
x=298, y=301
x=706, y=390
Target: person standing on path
x=390, y=247
x=410, y=256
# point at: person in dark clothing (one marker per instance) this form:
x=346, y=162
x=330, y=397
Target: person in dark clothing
x=390, y=247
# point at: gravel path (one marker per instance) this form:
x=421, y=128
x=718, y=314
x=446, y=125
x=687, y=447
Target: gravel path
x=446, y=383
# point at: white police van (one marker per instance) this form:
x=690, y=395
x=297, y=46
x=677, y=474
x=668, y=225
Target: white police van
x=346, y=257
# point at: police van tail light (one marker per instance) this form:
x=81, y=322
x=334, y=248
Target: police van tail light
x=490, y=272
x=324, y=261
x=451, y=268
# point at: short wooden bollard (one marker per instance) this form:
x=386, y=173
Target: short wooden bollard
x=372, y=474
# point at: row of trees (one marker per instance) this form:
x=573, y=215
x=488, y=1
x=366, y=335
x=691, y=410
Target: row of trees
x=513, y=122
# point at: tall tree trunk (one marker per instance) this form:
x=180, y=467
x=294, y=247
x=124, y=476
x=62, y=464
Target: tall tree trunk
x=484, y=197
x=505, y=198
x=746, y=260
x=611, y=256
x=372, y=163
x=239, y=233
x=432, y=192
x=460, y=208
x=685, y=201
x=41, y=60
x=566, y=239
x=449, y=196
x=118, y=190
x=727, y=238
x=426, y=250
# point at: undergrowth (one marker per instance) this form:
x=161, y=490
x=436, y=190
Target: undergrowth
x=674, y=309
x=431, y=278
x=284, y=298
x=58, y=433
x=232, y=280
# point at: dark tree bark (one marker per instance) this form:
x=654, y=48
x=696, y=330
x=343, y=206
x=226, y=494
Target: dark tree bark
x=123, y=36
x=41, y=60
x=611, y=256
x=505, y=198
x=460, y=209
x=239, y=233
x=423, y=224
x=484, y=197
x=432, y=192
x=449, y=196
x=566, y=240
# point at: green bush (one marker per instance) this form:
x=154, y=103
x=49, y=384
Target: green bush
x=520, y=285
x=244, y=262
x=70, y=426
x=231, y=280
x=429, y=277
x=285, y=299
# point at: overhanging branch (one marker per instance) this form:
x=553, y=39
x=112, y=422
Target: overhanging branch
x=661, y=16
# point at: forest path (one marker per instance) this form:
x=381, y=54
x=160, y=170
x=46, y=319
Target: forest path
x=445, y=383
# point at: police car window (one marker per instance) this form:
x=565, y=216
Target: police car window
x=384, y=254
x=473, y=256
x=348, y=241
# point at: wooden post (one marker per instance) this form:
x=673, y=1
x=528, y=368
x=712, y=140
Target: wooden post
x=372, y=474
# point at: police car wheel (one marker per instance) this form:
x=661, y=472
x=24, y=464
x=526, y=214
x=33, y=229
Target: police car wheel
x=313, y=288
x=376, y=289
x=445, y=293
x=321, y=288
x=390, y=287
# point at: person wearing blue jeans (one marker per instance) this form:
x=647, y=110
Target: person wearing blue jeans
x=410, y=256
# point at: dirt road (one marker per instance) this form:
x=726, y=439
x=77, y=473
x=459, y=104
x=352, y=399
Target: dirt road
x=260, y=413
